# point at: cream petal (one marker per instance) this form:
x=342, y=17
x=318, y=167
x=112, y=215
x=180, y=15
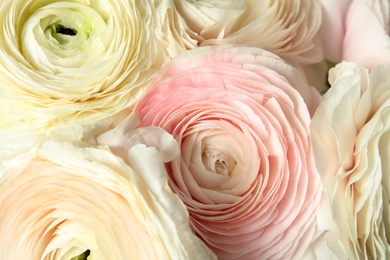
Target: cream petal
x=125, y=136
x=173, y=206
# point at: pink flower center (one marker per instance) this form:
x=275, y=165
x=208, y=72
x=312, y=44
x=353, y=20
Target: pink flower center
x=217, y=162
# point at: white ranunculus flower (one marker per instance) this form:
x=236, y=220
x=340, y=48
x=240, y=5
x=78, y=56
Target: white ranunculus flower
x=71, y=200
x=287, y=28
x=74, y=62
x=351, y=139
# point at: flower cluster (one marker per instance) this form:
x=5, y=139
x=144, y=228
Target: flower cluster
x=185, y=129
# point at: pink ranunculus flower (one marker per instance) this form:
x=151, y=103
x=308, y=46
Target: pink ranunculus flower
x=287, y=28
x=350, y=134
x=73, y=201
x=246, y=172
x=357, y=31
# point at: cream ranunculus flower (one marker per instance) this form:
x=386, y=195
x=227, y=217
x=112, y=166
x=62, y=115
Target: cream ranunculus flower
x=351, y=139
x=286, y=28
x=73, y=200
x=70, y=62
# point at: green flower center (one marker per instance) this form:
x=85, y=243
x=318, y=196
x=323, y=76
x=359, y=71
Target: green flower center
x=66, y=31
x=62, y=36
x=83, y=256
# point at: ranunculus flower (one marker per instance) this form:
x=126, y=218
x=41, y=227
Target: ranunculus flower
x=287, y=28
x=73, y=200
x=246, y=172
x=350, y=134
x=357, y=31
x=70, y=62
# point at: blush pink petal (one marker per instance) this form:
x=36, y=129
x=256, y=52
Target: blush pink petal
x=357, y=31
x=332, y=28
x=367, y=40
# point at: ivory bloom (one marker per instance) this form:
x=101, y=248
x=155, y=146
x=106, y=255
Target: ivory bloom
x=286, y=28
x=350, y=133
x=73, y=200
x=245, y=172
x=73, y=62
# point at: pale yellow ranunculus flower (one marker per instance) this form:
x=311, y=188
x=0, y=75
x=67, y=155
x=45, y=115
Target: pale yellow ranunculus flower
x=73, y=63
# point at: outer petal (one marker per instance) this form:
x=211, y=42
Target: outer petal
x=125, y=136
x=332, y=27
x=151, y=170
x=248, y=58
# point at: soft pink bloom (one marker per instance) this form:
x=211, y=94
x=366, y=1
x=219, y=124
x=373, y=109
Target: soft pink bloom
x=350, y=134
x=246, y=172
x=71, y=198
x=356, y=30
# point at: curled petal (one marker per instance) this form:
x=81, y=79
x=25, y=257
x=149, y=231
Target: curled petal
x=126, y=135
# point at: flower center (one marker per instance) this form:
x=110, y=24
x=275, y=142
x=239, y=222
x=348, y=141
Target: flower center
x=83, y=256
x=218, y=163
x=66, y=31
x=63, y=36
